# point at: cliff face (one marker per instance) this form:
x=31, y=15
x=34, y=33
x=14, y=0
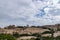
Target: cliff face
x=28, y=30
x=23, y=31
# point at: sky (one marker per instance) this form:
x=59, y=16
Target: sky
x=32, y=12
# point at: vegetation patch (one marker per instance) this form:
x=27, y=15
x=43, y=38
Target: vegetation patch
x=6, y=37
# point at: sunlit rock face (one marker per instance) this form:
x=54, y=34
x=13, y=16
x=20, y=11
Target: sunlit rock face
x=32, y=12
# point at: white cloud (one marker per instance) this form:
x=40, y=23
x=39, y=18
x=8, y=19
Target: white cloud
x=22, y=12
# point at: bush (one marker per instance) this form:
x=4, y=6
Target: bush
x=6, y=37
x=16, y=35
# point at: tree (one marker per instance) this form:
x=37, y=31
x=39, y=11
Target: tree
x=10, y=27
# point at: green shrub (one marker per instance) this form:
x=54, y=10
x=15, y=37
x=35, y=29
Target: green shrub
x=16, y=35
x=6, y=37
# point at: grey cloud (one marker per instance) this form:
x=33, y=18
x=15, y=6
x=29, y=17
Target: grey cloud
x=55, y=12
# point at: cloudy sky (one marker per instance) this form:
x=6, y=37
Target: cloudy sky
x=32, y=12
